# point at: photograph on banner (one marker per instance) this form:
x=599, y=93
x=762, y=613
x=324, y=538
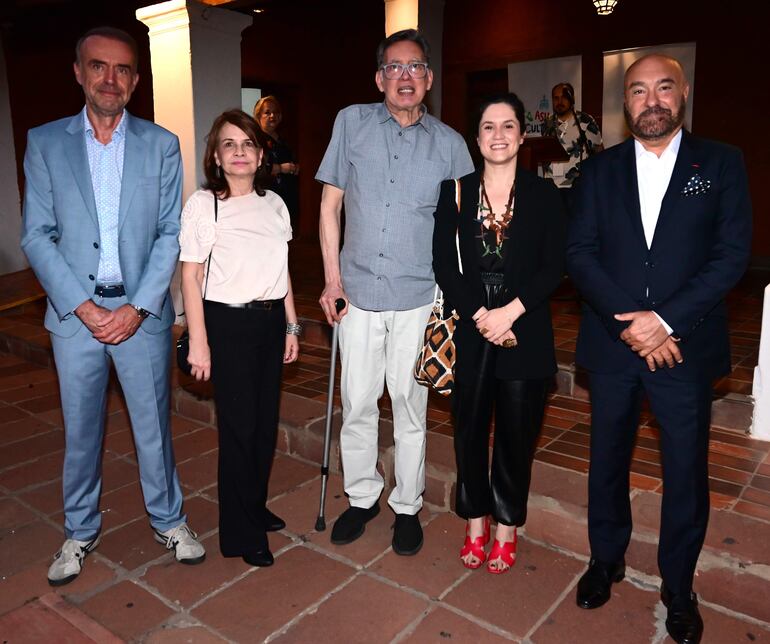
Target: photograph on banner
x=533, y=80
x=616, y=62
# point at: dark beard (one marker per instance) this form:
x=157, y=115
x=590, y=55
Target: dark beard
x=648, y=127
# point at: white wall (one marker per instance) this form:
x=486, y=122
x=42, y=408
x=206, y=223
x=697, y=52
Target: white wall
x=249, y=98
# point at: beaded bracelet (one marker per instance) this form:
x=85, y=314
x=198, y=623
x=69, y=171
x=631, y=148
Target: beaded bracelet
x=293, y=329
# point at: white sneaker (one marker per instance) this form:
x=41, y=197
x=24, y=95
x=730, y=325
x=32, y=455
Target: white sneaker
x=68, y=562
x=184, y=543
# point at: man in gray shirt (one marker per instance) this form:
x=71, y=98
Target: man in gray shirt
x=386, y=162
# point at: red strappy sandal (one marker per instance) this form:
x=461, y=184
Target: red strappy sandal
x=475, y=546
x=505, y=551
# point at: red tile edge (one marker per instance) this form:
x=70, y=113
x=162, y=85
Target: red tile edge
x=79, y=620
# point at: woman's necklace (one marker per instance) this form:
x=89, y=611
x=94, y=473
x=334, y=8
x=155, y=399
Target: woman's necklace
x=497, y=223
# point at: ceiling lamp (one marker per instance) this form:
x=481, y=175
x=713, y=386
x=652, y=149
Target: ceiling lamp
x=604, y=7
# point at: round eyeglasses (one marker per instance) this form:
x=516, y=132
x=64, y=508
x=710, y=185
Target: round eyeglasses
x=392, y=71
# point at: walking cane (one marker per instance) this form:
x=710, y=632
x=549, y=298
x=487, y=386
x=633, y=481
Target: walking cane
x=320, y=524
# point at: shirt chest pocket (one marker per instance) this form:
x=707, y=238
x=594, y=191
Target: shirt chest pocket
x=421, y=181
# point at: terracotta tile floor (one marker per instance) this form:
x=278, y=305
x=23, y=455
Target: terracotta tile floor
x=363, y=592
x=320, y=592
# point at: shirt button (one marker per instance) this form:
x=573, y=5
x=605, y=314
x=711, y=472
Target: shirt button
x=91, y=277
x=383, y=230
x=378, y=278
x=380, y=254
x=395, y=156
x=387, y=204
x=401, y=134
x=393, y=181
x=96, y=245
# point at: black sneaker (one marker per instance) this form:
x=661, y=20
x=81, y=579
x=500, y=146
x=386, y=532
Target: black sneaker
x=407, y=535
x=351, y=524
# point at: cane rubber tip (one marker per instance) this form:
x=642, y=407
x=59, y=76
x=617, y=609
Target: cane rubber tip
x=320, y=524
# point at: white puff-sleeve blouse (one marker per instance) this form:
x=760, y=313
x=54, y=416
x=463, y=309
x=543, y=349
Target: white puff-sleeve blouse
x=248, y=245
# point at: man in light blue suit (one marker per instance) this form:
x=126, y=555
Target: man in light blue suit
x=101, y=219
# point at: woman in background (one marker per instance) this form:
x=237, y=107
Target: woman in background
x=246, y=327
x=279, y=159
x=511, y=227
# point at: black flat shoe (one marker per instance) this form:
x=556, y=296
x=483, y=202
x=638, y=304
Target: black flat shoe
x=594, y=587
x=683, y=623
x=259, y=558
x=351, y=524
x=273, y=523
x=407, y=535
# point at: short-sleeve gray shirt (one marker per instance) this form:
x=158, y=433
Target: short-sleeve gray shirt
x=391, y=176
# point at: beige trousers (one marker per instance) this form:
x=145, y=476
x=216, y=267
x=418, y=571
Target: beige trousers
x=379, y=348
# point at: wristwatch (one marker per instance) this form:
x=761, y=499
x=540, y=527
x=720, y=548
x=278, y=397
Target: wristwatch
x=142, y=313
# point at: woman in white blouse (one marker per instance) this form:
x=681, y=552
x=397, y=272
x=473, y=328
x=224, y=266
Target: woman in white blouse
x=242, y=323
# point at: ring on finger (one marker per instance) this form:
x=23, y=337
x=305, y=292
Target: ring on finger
x=510, y=342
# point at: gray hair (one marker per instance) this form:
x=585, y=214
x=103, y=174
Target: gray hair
x=412, y=35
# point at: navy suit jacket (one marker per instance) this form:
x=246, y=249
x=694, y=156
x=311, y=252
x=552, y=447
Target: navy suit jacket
x=700, y=249
x=60, y=233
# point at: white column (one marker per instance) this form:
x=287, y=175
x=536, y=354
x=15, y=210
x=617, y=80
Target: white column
x=760, y=426
x=428, y=17
x=196, y=75
x=196, y=72
x=11, y=256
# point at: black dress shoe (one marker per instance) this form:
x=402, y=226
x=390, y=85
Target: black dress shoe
x=259, y=558
x=351, y=524
x=407, y=535
x=683, y=623
x=273, y=523
x=593, y=589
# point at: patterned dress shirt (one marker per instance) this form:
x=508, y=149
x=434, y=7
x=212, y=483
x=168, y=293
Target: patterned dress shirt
x=106, y=165
x=564, y=173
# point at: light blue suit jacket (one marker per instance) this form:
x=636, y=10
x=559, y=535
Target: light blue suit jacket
x=60, y=231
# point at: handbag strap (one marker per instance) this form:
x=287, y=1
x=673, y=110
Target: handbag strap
x=458, y=194
x=208, y=261
x=438, y=296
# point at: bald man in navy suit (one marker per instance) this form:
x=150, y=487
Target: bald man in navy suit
x=660, y=233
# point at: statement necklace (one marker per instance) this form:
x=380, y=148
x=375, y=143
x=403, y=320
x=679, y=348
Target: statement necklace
x=496, y=223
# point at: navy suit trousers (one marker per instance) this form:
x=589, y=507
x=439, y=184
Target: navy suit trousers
x=683, y=412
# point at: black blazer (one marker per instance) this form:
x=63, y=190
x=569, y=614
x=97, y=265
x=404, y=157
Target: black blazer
x=534, y=267
x=700, y=250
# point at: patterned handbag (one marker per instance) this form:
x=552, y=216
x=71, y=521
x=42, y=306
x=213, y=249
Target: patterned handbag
x=435, y=362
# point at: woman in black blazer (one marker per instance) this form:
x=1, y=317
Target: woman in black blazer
x=510, y=232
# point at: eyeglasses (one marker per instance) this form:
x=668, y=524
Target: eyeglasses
x=392, y=71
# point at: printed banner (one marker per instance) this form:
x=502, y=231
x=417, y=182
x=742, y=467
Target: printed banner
x=532, y=82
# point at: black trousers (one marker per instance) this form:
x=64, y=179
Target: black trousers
x=519, y=406
x=683, y=411
x=247, y=347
